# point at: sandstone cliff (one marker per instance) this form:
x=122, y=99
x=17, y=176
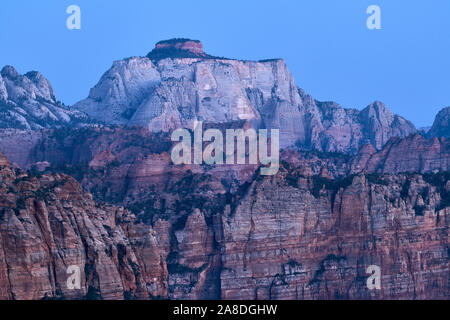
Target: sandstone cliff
x=178, y=83
x=412, y=154
x=48, y=223
x=441, y=125
x=296, y=235
x=314, y=238
x=355, y=188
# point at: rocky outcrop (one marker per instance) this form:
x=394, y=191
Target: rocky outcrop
x=178, y=48
x=412, y=154
x=166, y=91
x=17, y=145
x=120, y=90
x=380, y=124
x=347, y=130
x=28, y=102
x=48, y=223
x=314, y=239
x=441, y=125
x=159, y=230
x=296, y=235
x=122, y=158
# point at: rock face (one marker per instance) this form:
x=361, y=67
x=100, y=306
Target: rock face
x=412, y=154
x=307, y=240
x=159, y=230
x=348, y=129
x=178, y=48
x=441, y=125
x=193, y=234
x=28, y=102
x=17, y=145
x=48, y=223
x=178, y=83
x=117, y=150
x=380, y=124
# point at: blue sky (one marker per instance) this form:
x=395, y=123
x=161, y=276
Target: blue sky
x=325, y=43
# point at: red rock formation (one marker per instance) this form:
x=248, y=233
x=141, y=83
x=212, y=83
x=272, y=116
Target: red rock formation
x=48, y=223
x=224, y=232
x=193, y=46
x=291, y=241
x=412, y=154
x=177, y=48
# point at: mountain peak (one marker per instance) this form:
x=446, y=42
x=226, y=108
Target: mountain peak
x=9, y=72
x=177, y=48
x=379, y=106
x=441, y=125
x=28, y=102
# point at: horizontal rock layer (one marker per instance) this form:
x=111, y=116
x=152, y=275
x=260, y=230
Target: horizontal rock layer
x=48, y=223
x=295, y=235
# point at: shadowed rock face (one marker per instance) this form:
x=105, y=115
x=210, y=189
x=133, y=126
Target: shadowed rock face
x=441, y=125
x=307, y=240
x=48, y=223
x=28, y=102
x=296, y=235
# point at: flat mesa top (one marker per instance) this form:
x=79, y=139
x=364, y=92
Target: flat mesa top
x=177, y=40
x=184, y=48
x=178, y=48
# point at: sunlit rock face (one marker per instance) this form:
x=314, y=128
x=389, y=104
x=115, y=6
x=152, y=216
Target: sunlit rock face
x=177, y=83
x=28, y=102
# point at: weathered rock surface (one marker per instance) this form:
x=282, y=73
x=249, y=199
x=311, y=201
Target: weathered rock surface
x=48, y=223
x=412, y=154
x=441, y=125
x=314, y=239
x=178, y=48
x=297, y=235
x=178, y=83
x=17, y=145
x=28, y=102
x=219, y=231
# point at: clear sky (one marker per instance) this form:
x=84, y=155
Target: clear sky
x=326, y=44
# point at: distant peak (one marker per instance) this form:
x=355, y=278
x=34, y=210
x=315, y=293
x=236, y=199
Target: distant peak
x=378, y=105
x=178, y=48
x=9, y=72
x=378, y=108
x=441, y=125
x=34, y=75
